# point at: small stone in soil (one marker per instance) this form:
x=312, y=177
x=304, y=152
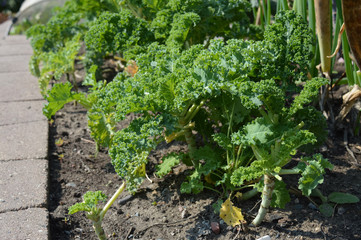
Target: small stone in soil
x=265, y=238
x=312, y=206
x=71, y=184
x=274, y=217
x=215, y=227
x=184, y=213
x=341, y=211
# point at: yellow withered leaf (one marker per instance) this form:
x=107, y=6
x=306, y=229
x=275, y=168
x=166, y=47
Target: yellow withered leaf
x=230, y=214
x=239, y=196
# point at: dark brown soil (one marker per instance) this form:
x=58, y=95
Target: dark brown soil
x=156, y=211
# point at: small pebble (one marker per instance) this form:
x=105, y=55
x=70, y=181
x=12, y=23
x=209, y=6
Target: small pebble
x=312, y=206
x=184, y=213
x=341, y=211
x=71, y=184
x=136, y=214
x=297, y=201
x=265, y=238
x=323, y=149
x=2, y=200
x=215, y=227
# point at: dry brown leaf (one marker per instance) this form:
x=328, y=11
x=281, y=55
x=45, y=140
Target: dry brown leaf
x=131, y=68
x=349, y=100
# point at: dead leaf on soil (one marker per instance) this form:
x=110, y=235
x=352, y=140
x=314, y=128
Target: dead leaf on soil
x=230, y=214
x=131, y=68
x=349, y=100
x=59, y=142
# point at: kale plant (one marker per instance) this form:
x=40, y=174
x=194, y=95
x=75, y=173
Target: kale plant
x=234, y=94
x=56, y=44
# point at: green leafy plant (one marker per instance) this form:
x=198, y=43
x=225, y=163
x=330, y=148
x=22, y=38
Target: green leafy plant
x=94, y=212
x=327, y=207
x=56, y=44
x=236, y=96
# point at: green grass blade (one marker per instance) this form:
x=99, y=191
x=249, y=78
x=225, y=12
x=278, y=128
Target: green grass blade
x=348, y=62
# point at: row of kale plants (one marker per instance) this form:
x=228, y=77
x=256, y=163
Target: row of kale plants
x=198, y=71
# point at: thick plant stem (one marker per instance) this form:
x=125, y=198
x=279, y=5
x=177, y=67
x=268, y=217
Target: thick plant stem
x=269, y=184
x=250, y=194
x=192, y=147
x=323, y=29
x=97, y=225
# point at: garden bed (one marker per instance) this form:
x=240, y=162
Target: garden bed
x=159, y=211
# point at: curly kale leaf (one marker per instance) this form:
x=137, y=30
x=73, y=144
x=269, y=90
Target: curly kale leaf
x=168, y=162
x=309, y=92
x=289, y=40
x=312, y=169
x=170, y=81
x=117, y=33
x=284, y=54
x=315, y=122
x=247, y=173
x=90, y=202
x=131, y=146
x=181, y=26
x=265, y=93
x=222, y=18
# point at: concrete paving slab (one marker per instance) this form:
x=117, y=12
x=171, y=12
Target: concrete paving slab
x=16, y=49
x=18, y=87
x=23, y=184
x=29, y=224
x=14, y=63
x=24, y=141
x=21, y=112
x=11, y=40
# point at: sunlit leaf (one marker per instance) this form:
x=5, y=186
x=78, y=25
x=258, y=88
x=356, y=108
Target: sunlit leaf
x=231, y=214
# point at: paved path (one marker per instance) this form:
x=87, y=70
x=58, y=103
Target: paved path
x=23, y=145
